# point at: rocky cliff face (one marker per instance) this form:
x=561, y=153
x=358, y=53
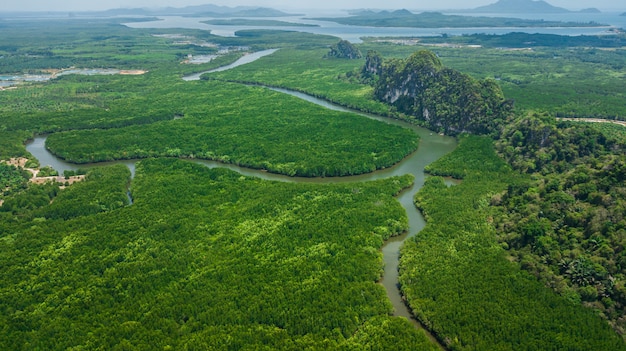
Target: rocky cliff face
x=446, y=100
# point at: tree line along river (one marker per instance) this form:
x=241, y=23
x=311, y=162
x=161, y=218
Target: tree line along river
x=432, y=146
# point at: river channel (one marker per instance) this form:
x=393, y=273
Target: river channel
x=431, y=147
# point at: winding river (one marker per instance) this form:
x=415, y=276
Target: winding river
x=432, y=146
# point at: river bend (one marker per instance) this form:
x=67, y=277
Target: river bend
x=431, y=147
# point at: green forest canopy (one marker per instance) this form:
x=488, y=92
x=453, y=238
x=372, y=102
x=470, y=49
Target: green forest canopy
x=213, y=259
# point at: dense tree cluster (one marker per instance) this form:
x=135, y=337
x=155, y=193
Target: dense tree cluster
x=302, y=70
x=23, y=203
x=203, y=258
x=11, y=144
x=345, y=50
x=442, y=98
x=567, y=225
x=158, y=114
x=210, y=259
x=534, y=40
x=457, y=278
x=579, y=80
x=539, y=144
x=105, y=45
x=248, y=126
x=12, y=177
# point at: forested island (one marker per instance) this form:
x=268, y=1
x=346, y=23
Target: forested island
x=405, y=18
x=525, y=40
x=524, y=252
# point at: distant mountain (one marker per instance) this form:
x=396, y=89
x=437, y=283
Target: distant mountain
x=199, y=11
x=623, y=14
x=522, y=6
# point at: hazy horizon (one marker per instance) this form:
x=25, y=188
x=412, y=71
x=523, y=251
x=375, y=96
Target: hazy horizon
x=81, y=5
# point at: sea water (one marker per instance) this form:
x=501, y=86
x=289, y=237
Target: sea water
x=355, y=33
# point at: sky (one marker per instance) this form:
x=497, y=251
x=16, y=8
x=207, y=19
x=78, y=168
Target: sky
x=86, y=5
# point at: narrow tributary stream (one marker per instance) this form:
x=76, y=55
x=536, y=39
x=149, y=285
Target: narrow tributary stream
x=432, y=146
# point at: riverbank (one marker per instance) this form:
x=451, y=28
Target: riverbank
x=21, y=162
x=12, y=82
